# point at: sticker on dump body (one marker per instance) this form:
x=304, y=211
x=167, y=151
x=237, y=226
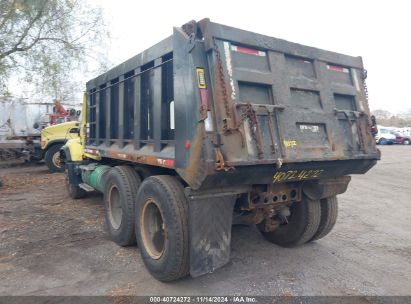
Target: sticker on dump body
x=290, y=143
x=248, y=51
x=291, y=175
x=310, y=127
x=201, y=78
x=337, y=68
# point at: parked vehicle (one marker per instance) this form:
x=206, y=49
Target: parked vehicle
x=213, y=126
x=52, y=140
x=384, y=136
x=21, y=125
x=402, y=139
x=18, y=137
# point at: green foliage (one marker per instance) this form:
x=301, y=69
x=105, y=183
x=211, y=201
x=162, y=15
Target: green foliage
x=49, y=43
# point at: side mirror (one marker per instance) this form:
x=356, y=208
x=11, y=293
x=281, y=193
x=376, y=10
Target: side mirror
x=74, y=131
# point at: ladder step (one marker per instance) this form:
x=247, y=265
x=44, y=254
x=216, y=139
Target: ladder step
x=86, y=187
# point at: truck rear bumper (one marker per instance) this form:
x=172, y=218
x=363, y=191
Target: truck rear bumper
x=293, y=172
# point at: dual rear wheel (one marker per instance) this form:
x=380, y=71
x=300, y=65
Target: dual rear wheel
x=154, y=213
x=309, y=220
x=121, y=186
x=162, y=227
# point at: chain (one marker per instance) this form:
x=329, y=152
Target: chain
x=223, y=87
x=370, y=125
x=364, y=77
x=244, y=116
x=248, y=112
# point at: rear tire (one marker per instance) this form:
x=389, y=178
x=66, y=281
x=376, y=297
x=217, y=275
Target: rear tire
x=120, y=191
x=52, y=159
x=302, y=224
x=406, y=142
x=329, y=214
x=162, y=227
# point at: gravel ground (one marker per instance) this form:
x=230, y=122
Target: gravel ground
x=52, y=245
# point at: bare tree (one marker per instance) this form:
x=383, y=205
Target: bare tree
x=382, y=114
x=388, y=119
x=49, y=43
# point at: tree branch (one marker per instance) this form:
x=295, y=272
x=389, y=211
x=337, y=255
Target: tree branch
x=16, y=48
x=8, y=15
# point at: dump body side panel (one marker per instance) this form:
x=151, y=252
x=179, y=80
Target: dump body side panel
x=131, y=109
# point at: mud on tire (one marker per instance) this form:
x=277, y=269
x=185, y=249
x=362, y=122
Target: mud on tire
x=121, y=187
x=162, y=227
x=302, y=224
x=329, y=213
x=52, y=159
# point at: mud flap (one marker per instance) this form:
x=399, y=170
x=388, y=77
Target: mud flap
x=210, y=220
x=74, y=174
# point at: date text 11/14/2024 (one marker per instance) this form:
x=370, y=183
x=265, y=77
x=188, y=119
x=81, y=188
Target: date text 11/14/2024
x=203, y=299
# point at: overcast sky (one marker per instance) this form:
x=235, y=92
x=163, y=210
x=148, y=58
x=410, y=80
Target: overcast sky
x=379, y=31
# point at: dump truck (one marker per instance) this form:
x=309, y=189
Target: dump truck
x=216, y=126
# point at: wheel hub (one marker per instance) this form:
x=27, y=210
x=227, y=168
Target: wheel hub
x=152, y=229
x=56, y=159
x=115, y=210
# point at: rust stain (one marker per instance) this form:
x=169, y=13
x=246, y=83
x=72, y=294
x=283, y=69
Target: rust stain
x=142, y=159
x=222, y=93
x=193, y=173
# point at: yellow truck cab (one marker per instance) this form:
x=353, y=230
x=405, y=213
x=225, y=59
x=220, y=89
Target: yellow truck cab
x=53, y=138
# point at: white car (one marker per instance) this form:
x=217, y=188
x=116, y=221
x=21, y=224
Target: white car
x=384, y=137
